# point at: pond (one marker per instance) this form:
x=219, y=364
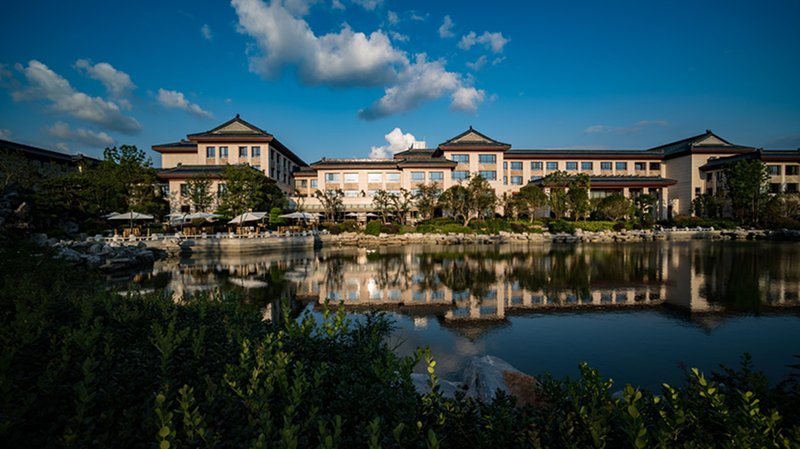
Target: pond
x=638, y=312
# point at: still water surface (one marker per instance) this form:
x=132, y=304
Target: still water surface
x=635, y=311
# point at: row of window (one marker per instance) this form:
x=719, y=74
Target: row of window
x=223, y=152
x=185, y=190
x=482, y=158
x=374, y=178
x=791, y=170
x=588, y=166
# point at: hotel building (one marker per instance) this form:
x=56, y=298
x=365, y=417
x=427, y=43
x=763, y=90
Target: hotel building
x=674, y=173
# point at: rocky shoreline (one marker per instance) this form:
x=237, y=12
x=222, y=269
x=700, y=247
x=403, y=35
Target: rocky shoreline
x=98, y=254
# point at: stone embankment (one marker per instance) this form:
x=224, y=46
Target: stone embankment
x=357, y=239
x=97, y=253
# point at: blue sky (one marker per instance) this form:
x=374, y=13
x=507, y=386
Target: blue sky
x=334, y=78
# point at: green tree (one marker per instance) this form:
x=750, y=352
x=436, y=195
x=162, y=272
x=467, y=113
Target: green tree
x=455, y=201
x=530, y=198
x=401, y=204
x=248, y=189
x=746, y=183
x=427, y=198
x=557, y=183
x=578, y=196
x=199, y=191
x=331, y=202
x=643, y=208
x=275, y=218
x=614, y=207
x=476, y=200
x=382, y=203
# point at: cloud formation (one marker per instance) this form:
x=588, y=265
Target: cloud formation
x=467, y=99
x=369, y=5
x=83, y=136
x=419, y=82
x=345, y=59
x=45, y=84
x=446, y=29
x=205, y=30
x=118, y=84
x=478, y=64
x=396, y=141
x=494, y=41
x=176, y=100
x=5, y=133
x=636, y=127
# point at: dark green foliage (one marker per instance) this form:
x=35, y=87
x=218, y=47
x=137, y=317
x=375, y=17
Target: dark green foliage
x=561, y=226
x=746, y=184
x=373, y=227
x=82, y=367
x=247, y=189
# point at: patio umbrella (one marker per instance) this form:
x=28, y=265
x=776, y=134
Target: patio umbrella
x=109, y=215
x=204, y=215
x=371, y=215
x=247, y=217
x=300, y=216
x=131, y=216
x=351, y=214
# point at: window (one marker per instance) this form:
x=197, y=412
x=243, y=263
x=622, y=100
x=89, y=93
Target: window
x=696, y=190
x=184, y=190
x=210, y=152
x=709, y=177
x=242, y=151
x=372, y=192
x=392, y=177
x=605, y=166
x=791, y=187
x=516, y=165
x=505, y=165
x=489, y=175
x=639, y=166
x=351, y=177
x=459, y=175
x=552, y=165
x=418, y=176
x=223, y=151
x=487, y=159
x=301, y=183
x=587, y=166
x=655, y=166
x=536, y=165
x=505, y=180
x=460, y=158
x=792, y=170
x=774, y=170
x=572, y=166
x=350, y=193
x=436, y=176
x=623, y=166
x=314, y=183
x=332, y=177
x=516, y=180
x=255, y=151
x=375, y=177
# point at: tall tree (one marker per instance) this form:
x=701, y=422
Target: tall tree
x=401, y=204
x=530, y=198
x=557, y=183
x=476, y=200
x=331, y=202
x=248, y=189
x=426, y=199
x=382, y=203
x=199, y=191
x=746, y=183
x=614, y=207
x=482, y=197
x=455, y=201
x=578, y=196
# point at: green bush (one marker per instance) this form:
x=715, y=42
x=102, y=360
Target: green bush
x=373, y=228
x=349, y=226
x=595, y=226
x=561, y=227
x=390, y=228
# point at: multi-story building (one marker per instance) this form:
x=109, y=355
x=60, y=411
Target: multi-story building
x=209, y=153
x=675, y=173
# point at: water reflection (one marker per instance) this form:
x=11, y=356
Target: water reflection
x=470, y=285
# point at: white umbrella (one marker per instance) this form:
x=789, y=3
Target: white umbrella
x=351, y=214
x=299, y=215
x=247, y=216
x=204, y=215
x=371, y=215
x=131, y=216
x=107, y=216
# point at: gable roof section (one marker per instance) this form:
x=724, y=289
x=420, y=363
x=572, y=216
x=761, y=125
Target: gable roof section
x=706, y=143
x=473, y=139
x=233, y=127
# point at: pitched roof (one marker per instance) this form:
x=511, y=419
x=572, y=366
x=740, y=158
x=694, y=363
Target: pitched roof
x=42, y=154
x=708, y=142
x=760, y=154
x=233, y=127
x=184, y=146
x=587, y=154
x=473, y=138
x=187, y=171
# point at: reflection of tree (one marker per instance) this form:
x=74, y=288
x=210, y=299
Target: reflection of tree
x=428, y=272
x=476, y=274
x=334, y=273
x=391, y=271
x=561, y=270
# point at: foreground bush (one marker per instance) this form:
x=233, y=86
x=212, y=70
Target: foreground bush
x=85, y=368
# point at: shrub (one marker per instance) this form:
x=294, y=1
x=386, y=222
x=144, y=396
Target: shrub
x=390, y=228
x=595, y=226
x=561, y=227
x=373, y=228
x=349, y=226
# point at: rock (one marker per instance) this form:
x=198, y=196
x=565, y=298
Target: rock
x=39, y=239
x=447, y=388
x=70, y=255
x=96, y=248
x=485, y=375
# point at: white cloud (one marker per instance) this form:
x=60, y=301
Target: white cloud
x=636, y=127
x=446, y=29
x=118, y=84
x=205, y=30
x=498, y=60
x=5, y=133
x=345, y=58
x=478, y=64
x=420, y=82
x=369, y=5
x=337, y=4
x=396, y=142
x=399, y=37
x=494, y=41
x=45, y=84
x=300, y=7
x=80, y=135
x=176, y=100
x=467, y=99
x=63, y=147
x=393, y=18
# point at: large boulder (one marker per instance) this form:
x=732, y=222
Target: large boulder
x=485, y=375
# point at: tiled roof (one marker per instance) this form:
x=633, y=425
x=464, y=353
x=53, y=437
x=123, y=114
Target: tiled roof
x=763, y=155
x=624, y=181
x=185, y=171
x=184, y=146
x=214, y=132
x=44, y=155
x=566, y=153
x=483, y=142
